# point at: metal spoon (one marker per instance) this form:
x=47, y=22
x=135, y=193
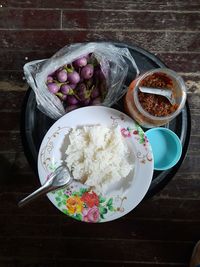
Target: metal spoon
x=59, y=178
x=156, y=91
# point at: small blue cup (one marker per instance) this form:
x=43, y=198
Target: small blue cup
x=166, y=147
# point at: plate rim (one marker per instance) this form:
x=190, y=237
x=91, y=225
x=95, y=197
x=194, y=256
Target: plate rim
x=105, y=109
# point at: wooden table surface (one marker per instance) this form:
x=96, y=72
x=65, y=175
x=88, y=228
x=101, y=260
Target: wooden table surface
x=162, y=230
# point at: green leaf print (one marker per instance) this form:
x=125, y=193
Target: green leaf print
x=63, y=202
x=103, y=210
x=65, y=196
x=78, y=194
x=64, y=211
x=58, y=199
x=78, y=217
x=101, y=215
x=52, y=166
x=59, y=193
x=83, y=190
x=110, y=202
x=111, y=208
x=59, y=204
x=141, y=141
x=101, y=199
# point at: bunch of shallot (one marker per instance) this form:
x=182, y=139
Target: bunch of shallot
x=79, y=84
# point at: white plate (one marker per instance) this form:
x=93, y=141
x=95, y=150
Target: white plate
x=76, y=201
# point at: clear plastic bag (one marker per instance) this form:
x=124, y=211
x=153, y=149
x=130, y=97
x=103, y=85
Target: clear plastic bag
x=113, y=62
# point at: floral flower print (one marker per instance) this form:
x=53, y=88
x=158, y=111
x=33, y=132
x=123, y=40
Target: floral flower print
x=90, y=199
x=91, y=214
x=125, y=132
x=74, y=205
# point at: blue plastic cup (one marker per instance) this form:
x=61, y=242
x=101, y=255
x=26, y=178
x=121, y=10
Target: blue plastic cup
x=166, y=147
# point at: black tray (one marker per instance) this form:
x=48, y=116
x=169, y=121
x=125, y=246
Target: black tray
x=34, y=124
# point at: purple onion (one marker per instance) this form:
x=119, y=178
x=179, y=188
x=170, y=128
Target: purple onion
x=49, y=79
x=61, y=96
x=65, y=88
x=81, y=87
x=86, y=102
x=72, y=86
x=87, y=71
x=81, y=79
x=62, y=76
x=72, y=100
x=80, y=62
x=95, y=93
x=53, y=88
x=73, y=77
x=82, y=92
x=64, y=97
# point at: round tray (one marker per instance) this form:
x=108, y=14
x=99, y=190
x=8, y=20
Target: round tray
x=35, y=124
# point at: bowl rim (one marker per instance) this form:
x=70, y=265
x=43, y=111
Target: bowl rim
x=178, y=146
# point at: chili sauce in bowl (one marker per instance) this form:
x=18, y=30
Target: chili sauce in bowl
x=151, y=110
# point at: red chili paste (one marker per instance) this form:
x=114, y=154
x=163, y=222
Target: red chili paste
x=156, y=105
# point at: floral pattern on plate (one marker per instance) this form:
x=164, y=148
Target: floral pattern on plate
x=140, y=136
x=84, y=205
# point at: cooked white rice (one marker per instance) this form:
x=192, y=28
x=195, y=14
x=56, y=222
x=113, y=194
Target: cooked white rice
x=98, y=156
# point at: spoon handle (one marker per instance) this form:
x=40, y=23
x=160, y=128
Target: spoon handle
x=156, y=91
x=39, y=192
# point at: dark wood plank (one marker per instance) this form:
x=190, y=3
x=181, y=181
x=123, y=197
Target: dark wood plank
x=30, y=229
x=195, y=122
x=40, y=207
x=51, y=39
x=157, y=207
x=13, y=117
x=194, y=98
x=181, y=62
x=16, y=162
x=182, y=186
x=34, y=262
x=16, y=262
x=153, y=252
x=137, y=229
x=10, y=142
x=13, y=178
x=11, y=100
x=127, y=5
x=191, y=164
x=12, y=81
x=194, y=147
x=103, y=20
x=29, y=19
x=152, y=41
x=16, y=59
x=81, y=263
